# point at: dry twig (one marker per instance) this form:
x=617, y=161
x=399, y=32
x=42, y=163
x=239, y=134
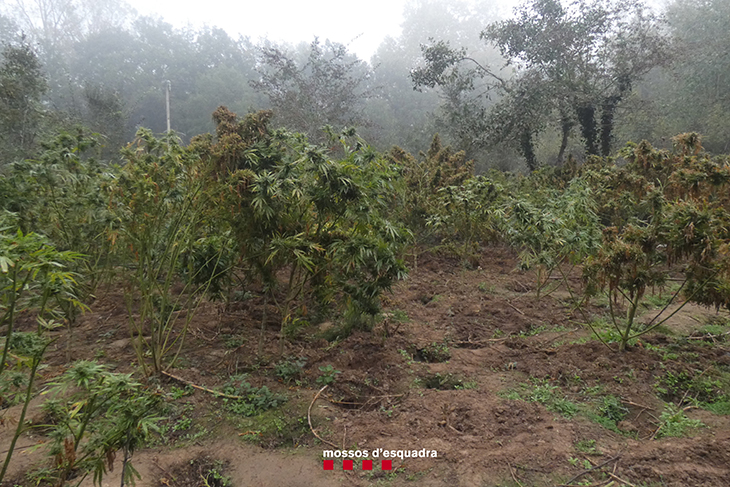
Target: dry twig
x=200, y=388
x=371, y=401
x=597, y=467
x=482, y=343
x=514, y=475
x=515, y=308
x=619, y=479
x=637, y=405
x=309, y=419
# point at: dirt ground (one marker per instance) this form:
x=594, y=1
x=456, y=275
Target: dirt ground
x=507, y=389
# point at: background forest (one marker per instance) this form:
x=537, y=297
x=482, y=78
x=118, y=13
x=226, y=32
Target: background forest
x=552, y=81
x=579, y=147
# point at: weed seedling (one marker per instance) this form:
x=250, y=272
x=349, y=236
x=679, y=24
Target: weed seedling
x=676, y=423
x=290, y=369
x=328, y=375
x=587, y=447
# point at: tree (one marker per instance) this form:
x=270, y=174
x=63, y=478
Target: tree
x=405, y=117
x=696, y=93
x=56, y=27
x=22, y=84
x=322, y=85
x=590, y=53
x=120, y=75
x=8, y=30
x=573, y=66
x=56, y=24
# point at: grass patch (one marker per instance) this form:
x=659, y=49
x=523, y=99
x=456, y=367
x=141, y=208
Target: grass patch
x=688, y=388
x=532, y=331
x=587, y=446
x=612, y=409
x=181, y=426
x=721, y=406
x=675, y=423
x=717, y=329
x=605, y=410
x=282, y=427
x=550, y=396
x=487, y=288
x=656, y=301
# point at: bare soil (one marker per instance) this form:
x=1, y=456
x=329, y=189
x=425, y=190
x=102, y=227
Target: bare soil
x=451, y=367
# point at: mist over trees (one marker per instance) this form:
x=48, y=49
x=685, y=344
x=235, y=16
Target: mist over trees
x=315, y=85
x=514, y=90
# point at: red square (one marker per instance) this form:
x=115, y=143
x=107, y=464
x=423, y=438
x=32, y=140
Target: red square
x=329, y=464
x=367, y=464
x=387, y=464
x=347, y=465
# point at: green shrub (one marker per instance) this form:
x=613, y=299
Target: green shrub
x=613, y=409
x=290, y=369
x=254, y=400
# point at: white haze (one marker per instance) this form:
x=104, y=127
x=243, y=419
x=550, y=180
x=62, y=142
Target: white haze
x=360, y=25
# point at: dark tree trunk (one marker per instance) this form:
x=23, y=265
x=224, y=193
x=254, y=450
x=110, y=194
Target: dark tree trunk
x=527, y=147
x=566, y=124
x=587, y=118
x=607, y=112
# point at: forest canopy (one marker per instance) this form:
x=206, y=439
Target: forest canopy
x=550, y=80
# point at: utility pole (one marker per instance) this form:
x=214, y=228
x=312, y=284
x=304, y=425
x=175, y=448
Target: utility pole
x=167, y=103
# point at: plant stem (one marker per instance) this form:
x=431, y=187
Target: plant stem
x=263, y=325
x=21, y=421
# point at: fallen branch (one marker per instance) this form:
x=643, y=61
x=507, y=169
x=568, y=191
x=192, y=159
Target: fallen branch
x=514, y=476
x=18, y=448
x=637, y=405
x=309, y=419
x=619, y=479
x=599, y=466
x=198, y=333
x=200, y=388
x=483, y=342
x=604, y=483
x=515, y=308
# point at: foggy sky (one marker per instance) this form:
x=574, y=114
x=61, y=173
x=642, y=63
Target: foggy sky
x=361, y=26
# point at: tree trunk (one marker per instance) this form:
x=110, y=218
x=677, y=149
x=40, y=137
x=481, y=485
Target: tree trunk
x=607, y=112
x=527, y=147
x=587, y=118
x=566, y=124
